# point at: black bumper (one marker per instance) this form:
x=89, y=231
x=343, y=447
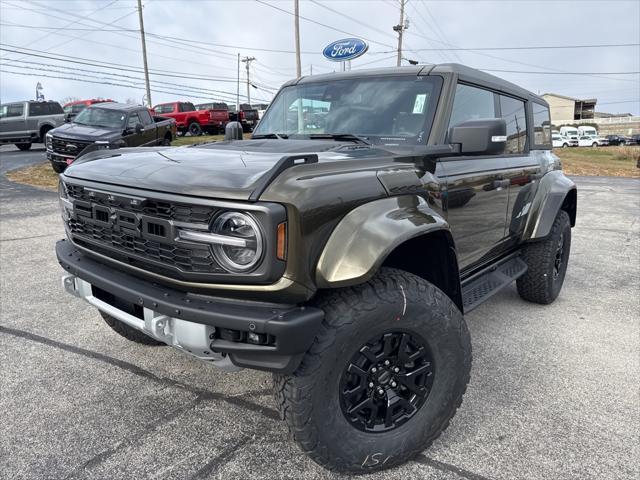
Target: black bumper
x=293, y=327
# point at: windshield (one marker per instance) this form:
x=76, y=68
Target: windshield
x=100, y=117
x=385, y=110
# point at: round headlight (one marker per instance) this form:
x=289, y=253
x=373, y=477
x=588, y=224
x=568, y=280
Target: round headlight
x=242, y=256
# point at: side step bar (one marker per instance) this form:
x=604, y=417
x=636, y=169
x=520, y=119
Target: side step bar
x=487, y=284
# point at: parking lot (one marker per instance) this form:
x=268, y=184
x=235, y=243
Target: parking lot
x=554, y=389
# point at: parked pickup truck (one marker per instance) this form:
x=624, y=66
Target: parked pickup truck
x=107, y=126
x=248, y=116
x=340, y=257
x=71, y=109
x=219, y=115
x=189, y=119
x=24, y=123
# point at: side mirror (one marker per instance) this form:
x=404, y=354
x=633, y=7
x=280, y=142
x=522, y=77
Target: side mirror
x=67, y=117
x=139, y=128
x=233, y=131
x=480, y=137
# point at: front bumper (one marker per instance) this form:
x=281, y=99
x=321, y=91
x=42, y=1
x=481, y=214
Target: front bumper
x=192, y=323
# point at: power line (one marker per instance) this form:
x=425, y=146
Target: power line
x=528, y=47
x=322, y=24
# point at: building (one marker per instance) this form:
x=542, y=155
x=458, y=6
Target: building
x=567, y=109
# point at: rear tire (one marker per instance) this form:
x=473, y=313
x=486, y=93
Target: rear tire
x=195, y=129
x=23, y=146
x=375, y=318
x=565, y=145
x=547, y=262
x=128, y=332
x=594, y=144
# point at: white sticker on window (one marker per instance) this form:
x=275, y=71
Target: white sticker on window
x=418, y=105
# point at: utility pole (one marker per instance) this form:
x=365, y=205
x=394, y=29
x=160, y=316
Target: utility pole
x=400, y=28
x=248, y=61
x=238, y=87
x=297, y=29
x=144, y=54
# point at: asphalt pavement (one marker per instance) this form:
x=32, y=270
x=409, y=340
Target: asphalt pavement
x=554, y=392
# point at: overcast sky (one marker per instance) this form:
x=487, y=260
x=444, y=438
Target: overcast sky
x=98, y=31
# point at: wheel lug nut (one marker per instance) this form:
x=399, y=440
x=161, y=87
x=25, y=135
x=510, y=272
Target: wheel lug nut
x=370, y=384
x=396, y=369
x=374, y=370
x=394, y=384
x=381, y=392
x=386, y=362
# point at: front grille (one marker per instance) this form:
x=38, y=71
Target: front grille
x=68, y=147
x=188, y=258
x=141, y=231
x=180, y=212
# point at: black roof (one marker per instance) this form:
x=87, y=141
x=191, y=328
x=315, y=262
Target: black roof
x=464, y=73
x=122, y=107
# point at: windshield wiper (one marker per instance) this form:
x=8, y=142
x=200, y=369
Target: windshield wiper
x=340, y=137
x=278, y=136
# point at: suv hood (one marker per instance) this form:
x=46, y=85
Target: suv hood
x=230, y=170
x=73, y=131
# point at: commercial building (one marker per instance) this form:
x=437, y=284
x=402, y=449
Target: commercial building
x=567, y=109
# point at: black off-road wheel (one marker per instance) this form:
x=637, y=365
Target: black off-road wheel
x=547, y=262
x=23, y=146
x=383, y=378
x=128, y=332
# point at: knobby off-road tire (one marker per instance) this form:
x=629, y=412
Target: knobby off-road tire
x=128, y=332
x=547, y=262
x=311, y=399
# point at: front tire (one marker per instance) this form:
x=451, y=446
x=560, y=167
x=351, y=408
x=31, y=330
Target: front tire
x=128, y=332
x=396, y=339
x=594, y=144
x=547, y=262
x=58, y=168
x=565, y=145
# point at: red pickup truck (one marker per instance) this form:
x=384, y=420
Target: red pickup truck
x=188, y=119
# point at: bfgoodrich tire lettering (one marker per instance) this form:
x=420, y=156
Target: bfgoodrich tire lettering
x=547, y=262
x=309, y=399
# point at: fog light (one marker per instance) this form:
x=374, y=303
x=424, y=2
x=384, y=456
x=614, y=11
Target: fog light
x=257, y=338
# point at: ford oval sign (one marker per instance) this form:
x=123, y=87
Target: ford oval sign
x=346, y=49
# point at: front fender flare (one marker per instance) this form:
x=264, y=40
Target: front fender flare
x=552, y=191
x=366, y=235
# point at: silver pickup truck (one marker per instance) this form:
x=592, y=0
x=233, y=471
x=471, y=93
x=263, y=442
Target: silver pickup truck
x=24, y=123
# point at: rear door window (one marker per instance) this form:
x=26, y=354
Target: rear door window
x=541, y=124
x=38, y=109
x=513, y=112
x=12, y=110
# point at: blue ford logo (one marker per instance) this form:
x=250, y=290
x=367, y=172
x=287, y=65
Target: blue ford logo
x=346, y=49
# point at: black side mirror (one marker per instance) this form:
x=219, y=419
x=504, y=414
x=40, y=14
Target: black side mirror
x=480, y=137
x=233, y=131
x=139, y=128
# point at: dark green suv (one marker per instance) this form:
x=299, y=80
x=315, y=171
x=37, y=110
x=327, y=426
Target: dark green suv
x=338, y=248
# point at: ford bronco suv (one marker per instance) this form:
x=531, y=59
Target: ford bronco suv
x=339, y=252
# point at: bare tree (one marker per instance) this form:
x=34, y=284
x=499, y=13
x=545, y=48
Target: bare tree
x=66, y=100
x=131, y=101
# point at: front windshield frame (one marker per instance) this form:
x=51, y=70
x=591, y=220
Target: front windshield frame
x=277, y=119
x=86, y=117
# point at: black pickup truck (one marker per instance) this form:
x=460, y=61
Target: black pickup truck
x=340, y=255
x=106, y=126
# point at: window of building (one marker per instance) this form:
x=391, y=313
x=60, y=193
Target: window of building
x=541, y=124
x=513, y=112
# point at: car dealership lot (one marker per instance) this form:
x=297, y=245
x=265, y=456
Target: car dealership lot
x=554, y=390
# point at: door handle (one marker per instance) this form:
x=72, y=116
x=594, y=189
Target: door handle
x=499, y=184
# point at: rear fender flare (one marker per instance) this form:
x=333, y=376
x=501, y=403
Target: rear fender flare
x=368, y=234
x=550, y=196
